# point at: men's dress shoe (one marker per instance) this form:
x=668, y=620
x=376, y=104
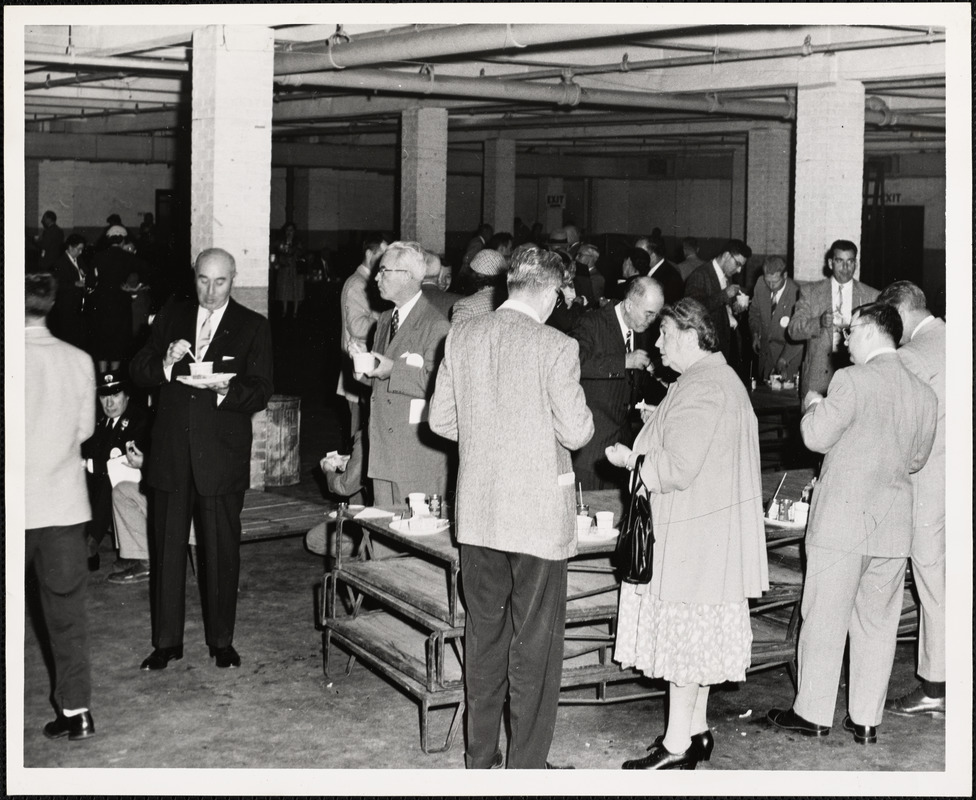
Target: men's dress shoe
x=226, y=656
x=863, y=734
x=80, y=726
x=161, y=656
x=702, y=742
x=94, y=562
x=662, y=758
x=137, y=572
x=916, y=703
x=789, y=720
x=558, y=766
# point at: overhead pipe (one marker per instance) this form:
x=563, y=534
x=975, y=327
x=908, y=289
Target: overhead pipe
x=568, y=95
x=719, y=56
x=112, y=62
x=456, y=40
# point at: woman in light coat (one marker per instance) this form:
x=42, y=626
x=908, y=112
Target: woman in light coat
x=691, y=624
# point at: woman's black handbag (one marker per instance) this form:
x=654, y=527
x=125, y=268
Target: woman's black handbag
x=634, y=556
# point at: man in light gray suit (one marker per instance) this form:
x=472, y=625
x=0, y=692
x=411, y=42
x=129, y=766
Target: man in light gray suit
x=923, y=352
x=876, y=426
x=823, y=310
x=508, y=392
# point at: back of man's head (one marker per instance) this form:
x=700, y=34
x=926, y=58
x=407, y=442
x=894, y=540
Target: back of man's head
x=501, y=241
x=883, y=317
x=372, y=242
x=432, y=262
x=40, y=289
x=640, y=260
x=905, y=296
x=534, y=270
x=690, y=246
x=50, y=217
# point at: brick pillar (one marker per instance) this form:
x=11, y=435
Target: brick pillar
x=737, y=217
x=768, y=192
x=230, y=187
x=423, y=177
x=829, y=172
x=499, y=184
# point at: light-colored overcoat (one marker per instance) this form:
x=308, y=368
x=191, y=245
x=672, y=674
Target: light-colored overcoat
x=509, y=393
x=768, y=321
x=815, y=299
x=60, y=406
x=402, y=451
x=701, y=467
x=876, y=426
x=924, y=356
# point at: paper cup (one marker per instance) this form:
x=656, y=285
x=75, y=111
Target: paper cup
x=199, y=369
x=363, y=362
x=800, y=513
x=604, y=520
x=583, y=524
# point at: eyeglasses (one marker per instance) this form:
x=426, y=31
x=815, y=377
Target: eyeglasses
x=844, y=262
x=846, y=330
x=387, y=271
x=740, y=264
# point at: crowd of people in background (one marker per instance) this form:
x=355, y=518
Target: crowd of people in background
x=642, y=366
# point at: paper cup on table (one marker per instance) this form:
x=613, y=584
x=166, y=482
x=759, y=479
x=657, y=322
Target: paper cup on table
x=418, y=503
x=200, y=369
x=800, y=513
x=363, y=362
x=583, y=524
x=604, y=520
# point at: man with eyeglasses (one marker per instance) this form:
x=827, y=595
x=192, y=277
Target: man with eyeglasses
x=404, y=456
x=876, y=427
x=711, y=286
x=823, y=309
x=615, y=351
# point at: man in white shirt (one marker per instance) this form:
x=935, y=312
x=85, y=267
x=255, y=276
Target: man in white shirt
x=822, y=311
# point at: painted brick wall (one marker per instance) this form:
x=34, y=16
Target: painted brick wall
x=829, y=172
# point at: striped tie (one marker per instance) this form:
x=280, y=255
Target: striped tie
x=394, y=323
x=206, y=334
x=630, y=341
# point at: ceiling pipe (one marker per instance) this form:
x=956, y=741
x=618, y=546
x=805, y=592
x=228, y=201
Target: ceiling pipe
x=456, y=40
x=568, y=95
x=95, y=62
x=723, y=57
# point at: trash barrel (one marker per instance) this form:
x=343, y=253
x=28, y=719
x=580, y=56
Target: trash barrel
x=282, y=463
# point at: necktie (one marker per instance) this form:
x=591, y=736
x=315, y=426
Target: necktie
x=630, y=341
x=206, y=334
x=394, y=323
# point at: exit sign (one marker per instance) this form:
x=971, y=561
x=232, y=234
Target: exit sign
x=556, y=200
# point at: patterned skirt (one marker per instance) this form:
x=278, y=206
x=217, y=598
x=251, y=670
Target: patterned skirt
x=682, y=642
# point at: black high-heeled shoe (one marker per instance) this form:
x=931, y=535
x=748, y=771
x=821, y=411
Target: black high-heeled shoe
x=662, y=758
x=704, y=742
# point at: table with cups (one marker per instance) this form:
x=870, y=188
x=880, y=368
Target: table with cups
x=395, y=605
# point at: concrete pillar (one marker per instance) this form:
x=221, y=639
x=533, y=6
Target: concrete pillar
x=768, y=191
x=829, y=172
x=499, y=184
x=230, y=186
x=737, y=217
x=550, y=216
x=423, y=177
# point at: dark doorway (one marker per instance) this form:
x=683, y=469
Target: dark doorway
x=892, y=245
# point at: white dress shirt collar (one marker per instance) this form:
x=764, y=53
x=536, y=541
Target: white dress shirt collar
x=723, y=280
x=877, y=352
x=524, y=308
x=406, y=308
x=618, y=310
x=920, y=325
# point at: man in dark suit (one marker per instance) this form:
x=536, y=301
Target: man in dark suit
x=662, y=270
x=710, y=285
x=201, y=450
x=122, y=429
x=614, y=355
x=67, y=320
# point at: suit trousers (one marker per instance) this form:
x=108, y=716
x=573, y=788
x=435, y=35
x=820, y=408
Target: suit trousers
x=130, y=509
x=218, y=534
x=60, y=557
x=930, y=580
x=856, y=596
x=515, y=607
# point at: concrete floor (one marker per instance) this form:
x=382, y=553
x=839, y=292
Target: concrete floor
x=279, y=712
